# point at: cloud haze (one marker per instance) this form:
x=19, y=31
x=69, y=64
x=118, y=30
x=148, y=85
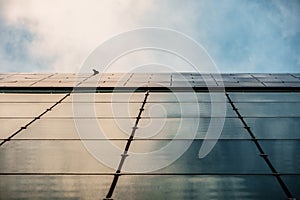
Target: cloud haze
x=241, y=36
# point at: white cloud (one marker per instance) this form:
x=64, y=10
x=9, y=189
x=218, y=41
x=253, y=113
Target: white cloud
x=67, y=31
x=240, y=36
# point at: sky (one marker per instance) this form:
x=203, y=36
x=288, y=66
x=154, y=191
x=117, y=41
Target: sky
x=239, y=35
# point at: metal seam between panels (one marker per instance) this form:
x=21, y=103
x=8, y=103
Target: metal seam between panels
x=42, y=79
x=32, y=121
x=59, y=90
x=126, y=149
x=39, y=116
x=258, y=80
x=132, y=174
x=261, y=151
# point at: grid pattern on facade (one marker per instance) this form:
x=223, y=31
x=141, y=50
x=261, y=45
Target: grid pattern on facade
x=256, y=156
x=151, y=80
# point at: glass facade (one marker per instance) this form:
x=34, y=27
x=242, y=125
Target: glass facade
x=51, y=146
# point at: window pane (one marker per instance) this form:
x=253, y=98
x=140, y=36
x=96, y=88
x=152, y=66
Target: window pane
x=177, y=110
x=283, y=154
x=23, y=109
x=186, y=97
x=198, y=187
x=55, y=83
x=9, y=126
x=269, y=109
x=30, y=98
x=227, y=156
x=265, y=96
x=51, y=128
x=275, y=128
x=100, y=110
x=106, y=97
x=190, y=128
x=87, y=128
x=293, y=183
x=52, y=156
x=54, y=187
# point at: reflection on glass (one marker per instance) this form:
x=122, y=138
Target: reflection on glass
x=275, y=128
x=293, y=183
x=177, y=110
x=23, y=109
x=30, y=98
x=265, y=96
x=171, y=127
x=95, y=110
x=269, y=109
x=10, y=126
x=228, y=156
x=284, y=154
x=54, y=187
x=52, y=156
x=106, y=97
x=198, y=187
x=51, y=128
x=186, y=97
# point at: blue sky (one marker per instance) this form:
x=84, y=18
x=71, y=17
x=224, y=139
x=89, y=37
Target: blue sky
x=240, y=36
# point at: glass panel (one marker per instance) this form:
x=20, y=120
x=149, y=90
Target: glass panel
x=265, y=96
x=30, y=98
x=97, y=109
x=269, y=79
x=53, y=156
x=51, y=128
x=54, y=187
x=47, y=83
x=23, y=109
x=283, y=154
x=3, y=76
x=287, y=78
x=16, y=83
x=241, y=75
x=246, y=80
x=224, y=79
x=186, y=97
x=293, y=183
x=296, y=74
x=140, y=76
x=9, y=126
x=182, y=128
x=106, y=97
x=159, y=83
x=242, y=84
x=69, y=75
x=178, y=110
x=88, y=129
x=23, y=78
x=198, y=187
x=274, y=84
x=292, y=84
x=269, y=109
x=113, y=84
x=275, y=128
x=29, y=76
x=193, y=84
x=227, y=156
x=261, y=75
x=126, y=84
x=64, y=79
